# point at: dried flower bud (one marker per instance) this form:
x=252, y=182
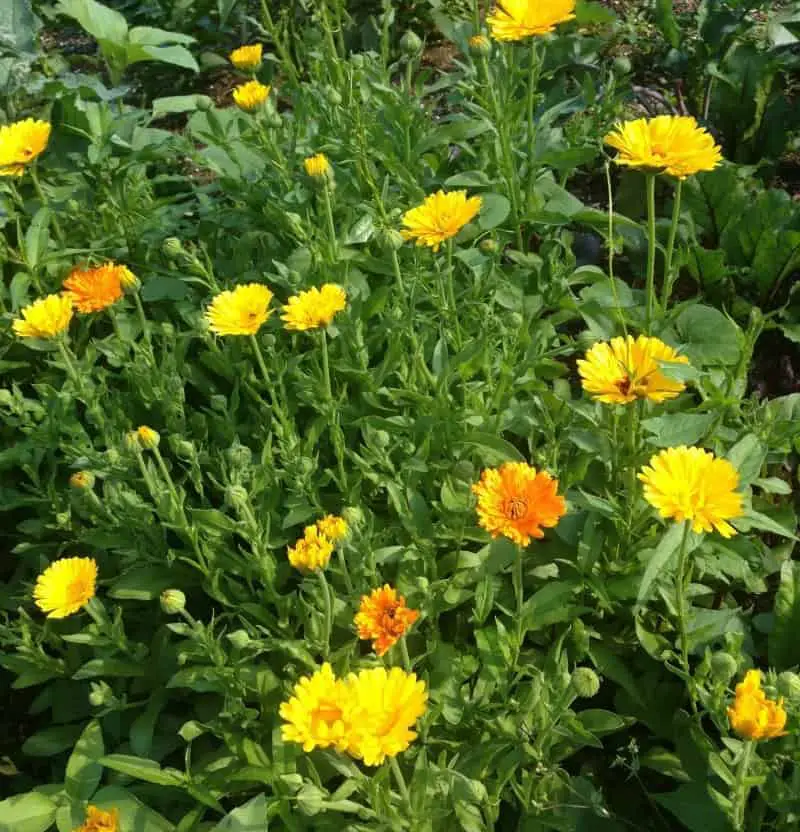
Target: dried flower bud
x=172, y=601
x=585, y=682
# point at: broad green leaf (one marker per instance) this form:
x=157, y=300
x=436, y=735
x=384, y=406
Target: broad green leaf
x=747, y=457
x=18, y=25
x=179, y=104
x=665, y=18
x=83, y=769
x=549, y=605
x=673, y=429
x=249, y=817
x=784, y=639
x=29, y=812
x=708, y=335
x=51, y=741
x=134, y=815
x=494, y=210
x=37, y=238
x=143, y=769
x=175, y=55
x=494, y=448
x=602, y=722
x=101, y=22
x=151, y=36
x=662, y=556
x=694, y=807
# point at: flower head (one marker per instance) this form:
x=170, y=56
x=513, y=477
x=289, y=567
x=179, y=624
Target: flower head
x=65, y=586
x=317, y=166
x=312, y=551
x=441, y=216
x=147, y=437
x=752, y=715
x=21, y=143
x=520, y=19
x=386, y=705
x=94, y=289
x=251, y=95
x=692, y=484
x=82, y=480
x=247, y=57
x=44, y=318
x=333, y=527
x=314, y=308
x=319, y=713
x=384, y=618
x=98, y=820
x=241, y=311
x=675, y=145
x=624, y=370
x=518, y=502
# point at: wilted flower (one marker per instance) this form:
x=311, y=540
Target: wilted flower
x=312, y=551
x=20, y=143
x=247, y=57
x=44, y=318
x=519, y=19
x=242, y=311
x=317, y=166
x=441, y=216
x=752, y=715
x=314, y=308
x=251, y=95
x=65, y=586
x=384, y=618
x=99, y=820
x=692, y=484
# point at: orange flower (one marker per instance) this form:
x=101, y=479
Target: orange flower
x=384, y=618
x=517, y=502
x=95, y=289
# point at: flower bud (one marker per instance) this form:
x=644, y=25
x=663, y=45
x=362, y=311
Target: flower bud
x=585, y=682
x=184, y=449
x=113, y=456
x=333, y=95
x=358, y=60
x=239, y=639
x=488, y=246
x=172, y=601
x=219, y=403
x=723, y=667
x=148, y=438
x=390, y=239
x=353, y=516
x=579, y=638
x=788, y=685
x=479, y=46
x=410, y=44
x=73, y=206
x=236, y=495
x=172, y=248
x=82, y=480
x=239, y=456
x=100, y=694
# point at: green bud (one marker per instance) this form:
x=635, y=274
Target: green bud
x=390, y=239
x=236, y=495
x=239, y=639
x=113, y=456
x=585, y=682
x=239, y=456
x=489, y=246
x=100, y=694
x=788, y=685
x=410, y=44
x=358, y=60
x=172, y=601
x=73, y=206
x=723, y=667
x=184, y=449
x=479, y=46
x=334, y=96
x=622, y=65
x=579, y=637
x=172, y=248
x=353, y=516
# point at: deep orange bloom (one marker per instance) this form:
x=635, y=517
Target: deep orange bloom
x=752, y=715
x=95, y=289
x=518, y=502
x=384, y=618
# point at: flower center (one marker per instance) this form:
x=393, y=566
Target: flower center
x=624, y=385
x=328, y=712
x=27, y=152
x=517, y=508
x=77, y=591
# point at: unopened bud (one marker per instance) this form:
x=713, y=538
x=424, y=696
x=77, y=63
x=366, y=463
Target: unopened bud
x=130, y=283
x=172, y=248
x=488, y=246
x=333, y=95
x=585, y=682
x=172, y=601
x=788, y=685
x=353, y=516
x=239, y=456
x=82, y=480
x=410, y=44
x=184, y=449
x=100, y=694
x=579, y=637
x=479, y=46
x=236, y=495
x=723, y=667
x=239, y=639
x=390, y=239
x=148, y=438
x=112, y=456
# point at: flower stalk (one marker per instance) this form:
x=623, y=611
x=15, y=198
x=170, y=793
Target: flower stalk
x=741, y=788
x=669, y=278
x=650, y=180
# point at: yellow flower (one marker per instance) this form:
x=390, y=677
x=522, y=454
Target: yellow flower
x=691, y=484
x=386, y=704
x=517, y=502
x=333, y=527
x=247, y=57
x=752, y=715
x=44, y=318
x=251, y=95
x=242, y=311
x=317, y=166
x=65, y=586
x=519, y=19
x=312, y=551
x=623, y=370
x=384, y=617
x=82, y=480
x=147, y=437
x=314, y=308
x=675, y=145
x=21, y=143
x=98, y=820
x=441, y=216
x=318, y=715
x=94, y=289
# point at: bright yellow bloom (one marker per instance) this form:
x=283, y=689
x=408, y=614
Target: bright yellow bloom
x=752, y=715
x=82, y=480
x=386, y=704
x=333, y=527
x=675, y=145
x=251, y=95
x=44, y=318
x=384, y=617
x=692, y=484
x=65, y=586
x=94, y=289
x=21, y=143
x=319, y=714
x=242, y=311
x=518, y=502
x=623, y=370
x=317, y=166
x=147, y=437
x=247, y=57
x=520, y=19
x=312, y=551
x=441, y=216
x=314, y=308
x=98, y=820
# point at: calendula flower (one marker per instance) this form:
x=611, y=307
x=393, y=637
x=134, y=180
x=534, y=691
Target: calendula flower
x=317, y=166
x=314, y=308
x=20, y=143
x=441, y=216
x=479, y=45
x=518, y=502
x=94, y=289
x=319, y=713
x=242, y=311
x=692, y=484
x=752, y=715
x=520, y=19
x=251, y=95
x=98, y=820
x=333, y=527
x=384, y=618
x=312, y=551
x=624, y=370
x=82, y=480
x=675, y=145
x=147, y=437
x=65, y=586
x=386, y=705
x=44, y=318
x=247, y=57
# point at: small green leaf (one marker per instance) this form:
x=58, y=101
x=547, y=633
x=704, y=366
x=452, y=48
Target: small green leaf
x=249, y=817
x=143, y=769
x=784, y=643
x=83, y=769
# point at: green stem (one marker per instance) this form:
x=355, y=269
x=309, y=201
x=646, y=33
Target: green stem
x=517, y=580
x=333, y=52
x=404, y=654
x=345, y=571
x=401, y=784
x=533, y=83
x=326, y=369
x=669, y=280
x=614, y=291
x=162, y=466
x=277, y=407
x=333, y=242
x=741, y=790
x=145, y=325
x=286, y=59
x=682, y=579
x=651, y=251
x=451, y=294
x=327, y=600
x=46, y=202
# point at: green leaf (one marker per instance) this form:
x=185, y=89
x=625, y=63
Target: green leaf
x=83, y=769
x=37, y=238
x=673, y=429
x=549, y=605
x=709, y=336
x=143, y=769
x=694, y=807
x=665, y=18
x=496, y=449
x=29, y=812
x=747, y=456
x=756, y=520
x=101, y=22
x=249, y=817
x=175, y=55
x=662, y=555
x=18, y=25
x=51, y=741
x=494, y=210
x=602, y=722
x=134, y=815
x=784, y=642
x=179, y=104
x=95, y=668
